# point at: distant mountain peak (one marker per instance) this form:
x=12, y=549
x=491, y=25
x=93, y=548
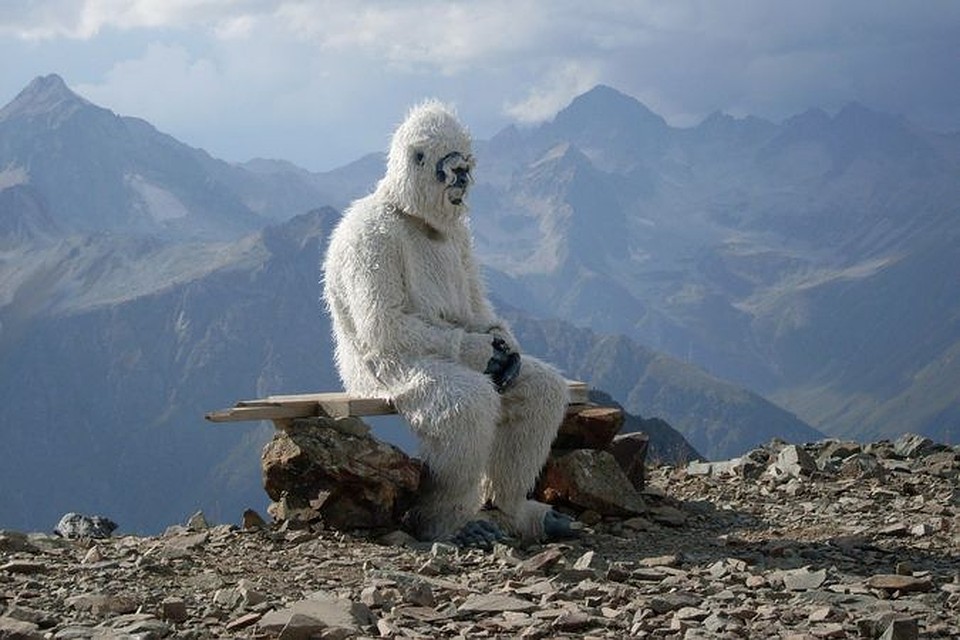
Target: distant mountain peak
x=608, y=103
x=45, y=95
x=857, y=113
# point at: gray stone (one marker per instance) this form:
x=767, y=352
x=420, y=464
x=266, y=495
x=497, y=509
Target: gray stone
x=43, y=619
x=861, y=465
x=419, y=594
x=13, y=629
x=630, y=452
x=330, y=612
x=103, y=603
x=482, y=602
x=140, y=625
x=304, y=627
x=242, y=622
x=667, y=602
x=793, y=461
x=665, y=514
x=589, y=479
x=197, y=522
x=590, y=561
x=75, y=525
x=23, y=566
x=902, y=629
x=803, y=579
x=14, y=541
x=911, y=445
x=250, y=596
x=699, y=468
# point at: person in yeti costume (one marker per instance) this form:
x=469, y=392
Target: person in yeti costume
x=412, y=323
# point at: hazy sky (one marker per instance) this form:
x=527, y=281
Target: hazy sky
x=322, y=82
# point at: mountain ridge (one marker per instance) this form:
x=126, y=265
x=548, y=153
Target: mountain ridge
x=743, y=264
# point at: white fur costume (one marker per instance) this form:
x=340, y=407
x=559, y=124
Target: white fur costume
x=412, y=323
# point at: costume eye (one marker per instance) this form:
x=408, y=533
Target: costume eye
x=418, y=158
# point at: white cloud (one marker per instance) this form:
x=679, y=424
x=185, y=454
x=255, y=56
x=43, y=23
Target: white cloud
x=228, y=73
x=85, y=19
x=166, y=83
x=561, y=85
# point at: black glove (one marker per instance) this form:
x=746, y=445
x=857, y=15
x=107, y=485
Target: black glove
x=504, y=366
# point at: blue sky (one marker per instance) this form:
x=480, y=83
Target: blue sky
x=320, y=82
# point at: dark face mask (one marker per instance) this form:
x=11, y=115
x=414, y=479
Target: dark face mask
x=453, y=170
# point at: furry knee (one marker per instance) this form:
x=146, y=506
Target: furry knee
x=540, y=390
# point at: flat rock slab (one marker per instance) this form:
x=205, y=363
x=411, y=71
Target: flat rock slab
x=804, y=579
x=320, y=612
x=494, y=602
x=893, y=582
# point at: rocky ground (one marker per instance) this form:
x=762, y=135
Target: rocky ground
x=832, y=540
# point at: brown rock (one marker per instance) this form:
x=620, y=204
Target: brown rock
x=893, y=582
x=18, y=629
x=16, y=541
x=243, y=621
x=630, y=452
x=253, y=520
x=901, y=629
x=173, y=609
x=364, y=483
x=588, y=428
x=23, y=566
x=323, y=610
x=542, y=561
x=589, y=479
x=481, y=602
x=100, y=603
x=671, y=516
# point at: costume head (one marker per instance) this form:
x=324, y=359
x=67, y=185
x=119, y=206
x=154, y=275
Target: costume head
x=429, y=165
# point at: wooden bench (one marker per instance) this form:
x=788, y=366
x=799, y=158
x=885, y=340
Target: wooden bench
x=283, y=409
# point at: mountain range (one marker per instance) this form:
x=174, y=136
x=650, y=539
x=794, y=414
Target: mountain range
x=697, y=275
x=813, y=261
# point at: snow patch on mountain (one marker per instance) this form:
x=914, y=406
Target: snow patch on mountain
x=12, y=175
x=157, y=202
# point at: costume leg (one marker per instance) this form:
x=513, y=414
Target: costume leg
x=532, y=410
x=454, y=412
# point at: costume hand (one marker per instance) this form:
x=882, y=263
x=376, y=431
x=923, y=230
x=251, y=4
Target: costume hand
x=504, y=366
x=507, y=337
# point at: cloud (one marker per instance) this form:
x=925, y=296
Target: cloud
x=85, y=19
x=327, y=77
x=166, y=83
x=564, y=82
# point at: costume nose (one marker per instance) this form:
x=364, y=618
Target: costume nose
x=453, y=170
x=461, y=177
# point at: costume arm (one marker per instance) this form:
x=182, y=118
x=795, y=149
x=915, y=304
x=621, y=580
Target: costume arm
x=486, y=319
x=371, y=283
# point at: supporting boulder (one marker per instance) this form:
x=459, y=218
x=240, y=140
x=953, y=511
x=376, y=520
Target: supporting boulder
x=335, y=469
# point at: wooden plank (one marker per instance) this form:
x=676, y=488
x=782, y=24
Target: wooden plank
x=334, y=404
x=265, y=412
x=579, y=392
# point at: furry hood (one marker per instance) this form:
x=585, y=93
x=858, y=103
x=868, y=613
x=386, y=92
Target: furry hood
x=430, y=133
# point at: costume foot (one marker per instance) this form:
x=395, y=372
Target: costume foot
x=481, y=534
x=560, y=526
